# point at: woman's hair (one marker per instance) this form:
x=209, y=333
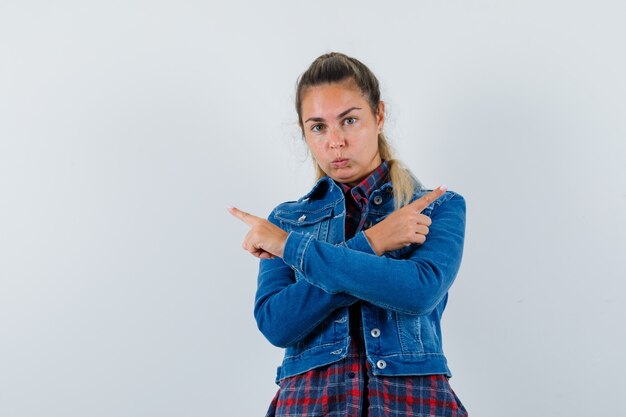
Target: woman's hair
x=335, y=67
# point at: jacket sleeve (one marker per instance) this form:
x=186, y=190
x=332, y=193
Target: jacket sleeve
x=412, y=285
x=279, y=300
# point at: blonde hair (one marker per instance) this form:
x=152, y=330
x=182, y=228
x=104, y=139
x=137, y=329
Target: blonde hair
x=335, y=67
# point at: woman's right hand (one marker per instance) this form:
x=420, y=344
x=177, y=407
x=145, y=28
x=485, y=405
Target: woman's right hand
x=404, y=226
x=264, y=239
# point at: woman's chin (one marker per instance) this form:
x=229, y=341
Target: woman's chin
x=341, y=177
x=349, y=181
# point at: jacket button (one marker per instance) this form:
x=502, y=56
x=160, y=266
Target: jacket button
x=381, y=364
x=378, y=199
x=375, y=332
x=302, y=218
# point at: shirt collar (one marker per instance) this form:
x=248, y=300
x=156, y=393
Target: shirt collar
x=373, y=181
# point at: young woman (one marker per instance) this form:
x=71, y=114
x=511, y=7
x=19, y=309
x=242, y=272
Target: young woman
x=354, y=275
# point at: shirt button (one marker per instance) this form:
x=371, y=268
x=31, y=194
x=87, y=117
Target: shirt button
x=351, y=375
x=381, y=364
x=378, y=199
x=375, y=332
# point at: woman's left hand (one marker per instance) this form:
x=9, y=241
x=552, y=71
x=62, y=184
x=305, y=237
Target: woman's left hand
x=264, y=239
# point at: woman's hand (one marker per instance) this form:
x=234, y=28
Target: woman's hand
x=264, y=239
x=404, y=226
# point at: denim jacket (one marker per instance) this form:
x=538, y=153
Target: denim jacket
x=302, y=300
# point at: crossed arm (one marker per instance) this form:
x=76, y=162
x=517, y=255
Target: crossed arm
x=413, y=285
x=287, y=310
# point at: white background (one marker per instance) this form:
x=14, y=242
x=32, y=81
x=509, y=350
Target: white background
x=127, y=127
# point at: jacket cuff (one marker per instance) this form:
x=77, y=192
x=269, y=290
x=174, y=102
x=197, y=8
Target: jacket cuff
x=359, y=242
x=295, y=247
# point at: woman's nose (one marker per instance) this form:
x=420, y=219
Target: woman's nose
x=336, y=139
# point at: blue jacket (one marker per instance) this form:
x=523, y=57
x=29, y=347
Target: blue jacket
x=302, y=300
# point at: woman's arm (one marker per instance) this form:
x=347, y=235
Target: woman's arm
x=335, y=276
x=287, y=310
x=414, y=285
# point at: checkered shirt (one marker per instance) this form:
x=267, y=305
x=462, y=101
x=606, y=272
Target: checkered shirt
x=348, y=388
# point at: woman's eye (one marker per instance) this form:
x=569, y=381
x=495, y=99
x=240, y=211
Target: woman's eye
x=316, y=128
x=350, y=120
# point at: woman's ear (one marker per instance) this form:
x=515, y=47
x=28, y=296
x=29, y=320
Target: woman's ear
x=380, y=115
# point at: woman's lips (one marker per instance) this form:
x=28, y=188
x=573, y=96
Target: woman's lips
x=340, y=163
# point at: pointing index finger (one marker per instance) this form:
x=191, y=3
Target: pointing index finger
x=247, y=218
x=423, y=202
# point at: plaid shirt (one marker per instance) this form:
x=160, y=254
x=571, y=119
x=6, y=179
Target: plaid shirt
x=348, y=388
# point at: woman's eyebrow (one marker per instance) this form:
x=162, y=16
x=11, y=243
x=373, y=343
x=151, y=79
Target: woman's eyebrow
x=343, y=113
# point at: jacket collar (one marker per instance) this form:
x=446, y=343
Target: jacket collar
x=325, y=188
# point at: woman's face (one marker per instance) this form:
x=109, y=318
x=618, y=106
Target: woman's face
x=341, y=131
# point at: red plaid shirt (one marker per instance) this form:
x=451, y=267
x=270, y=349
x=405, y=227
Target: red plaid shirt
x=348, y=388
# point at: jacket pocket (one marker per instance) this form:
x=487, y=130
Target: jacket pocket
x=308, y=222
x=430, y=335
x=410, y=333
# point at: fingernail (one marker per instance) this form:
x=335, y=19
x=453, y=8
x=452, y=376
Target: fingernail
x=229, y=207
x=443, y=188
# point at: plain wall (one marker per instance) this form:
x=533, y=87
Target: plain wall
x=126, y=128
